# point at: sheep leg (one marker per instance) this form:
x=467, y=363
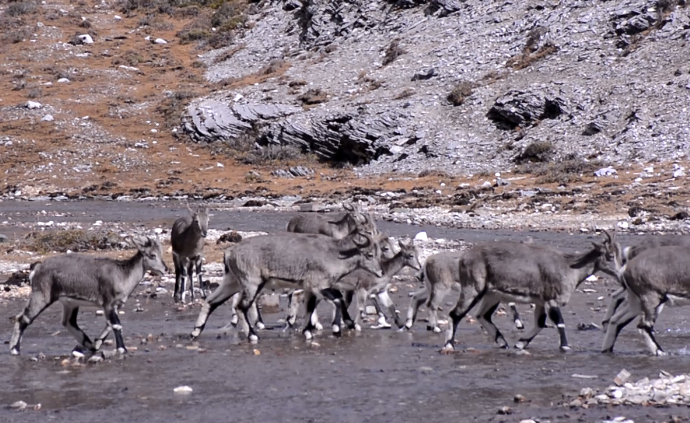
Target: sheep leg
x=537, y=326
x=418, y=298
x=256, y=316
x=69, y=321
x=557, y=318
x=617, y=299
x=177, y=296
x=646, y=325
x=334, y=296
x=212, y=302
x=234, y=301
x=387, y=303
x=516, y=316
x=626, y=314
x=37, y=303
x=488, y=307
x=98, y=342
x=190, y=278
x=114, y=320
x=251, y=292
x=311, y=303
x=438, y=293
x=199, y=273
x=294, y=297
x=468, y=299
x=361, y=298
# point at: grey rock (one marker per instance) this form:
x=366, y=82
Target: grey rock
x=605, y=171
x=292, y=5
x=4, y=238
x=445, y=7
x=593, y=128
x=425, y=74
x=518, y=108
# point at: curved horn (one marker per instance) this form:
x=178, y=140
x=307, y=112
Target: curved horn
x=608, y=235
x=348, y=207
x=367, y=241
x=190, y=209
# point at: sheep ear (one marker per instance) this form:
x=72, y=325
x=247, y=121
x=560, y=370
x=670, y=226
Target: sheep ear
x=401, y=244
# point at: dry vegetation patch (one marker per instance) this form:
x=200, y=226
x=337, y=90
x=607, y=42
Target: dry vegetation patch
x=75, y=240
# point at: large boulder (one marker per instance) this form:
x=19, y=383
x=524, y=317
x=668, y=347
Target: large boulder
x=357, y=136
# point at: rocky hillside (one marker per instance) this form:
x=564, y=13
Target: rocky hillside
x=463, y=86
x=227, y=98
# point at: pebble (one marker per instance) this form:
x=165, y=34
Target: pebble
x=183, y=390
x=519, y=398
x=160, y=41
x=426, y=370
x=505, y=410
x=421, y=236
x=33, y=105
x=48, y=118
x=63, y=80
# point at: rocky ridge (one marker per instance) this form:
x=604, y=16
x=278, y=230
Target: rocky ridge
x=603, y=81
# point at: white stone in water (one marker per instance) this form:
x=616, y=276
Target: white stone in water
x=183, y=390
x=422, y=236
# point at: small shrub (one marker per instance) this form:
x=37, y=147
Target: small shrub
x=393, y=51
x=20, y=8
x=156, y=21
x=227, y=54
x=172, y=107
x=197, y=30
x=16, y=35
x=272, y=67
x=35, y=92
x=313, y=96
x=71, y=239
x=460, y=92
x=221, y=39
x=563, y=172
x=539, y=151
x=272, y=154
x=297, y=83
x=407, y=92
x=433, y=172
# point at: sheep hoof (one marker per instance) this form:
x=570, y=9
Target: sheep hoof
x=447, y=349
x=122, y=350
x=336, y=331
x=519, y=325
x=565, y=348
x=308, y=335
x=260, y=325
x=520, y=345
x=661, y=353
x=253, y=339
x=14, y=351
x=318, y=326
x=358, y=328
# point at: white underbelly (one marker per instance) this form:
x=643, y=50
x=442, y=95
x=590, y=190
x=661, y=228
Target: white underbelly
x=676, y=301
